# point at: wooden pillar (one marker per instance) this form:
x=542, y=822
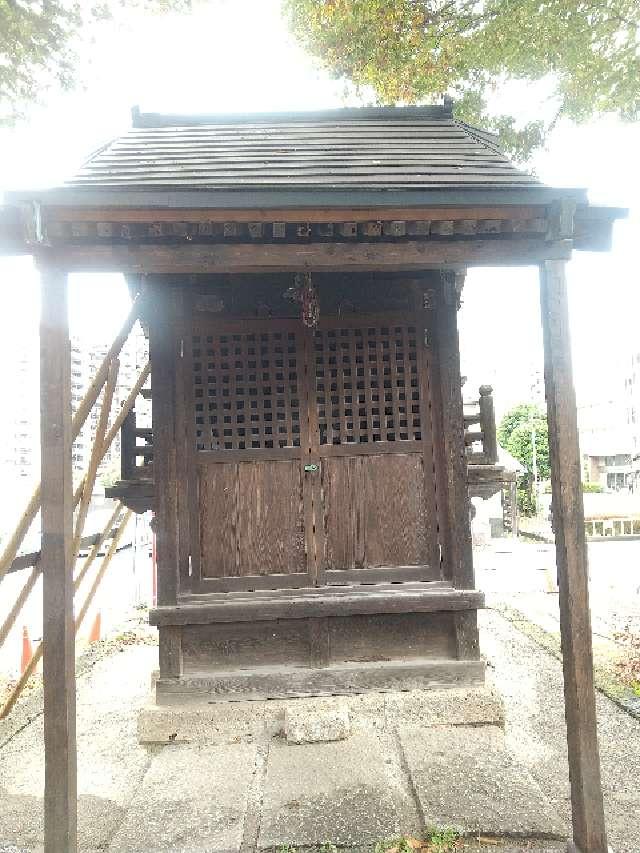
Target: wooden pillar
x=453, y=492
x=163, y=353
x=589, y=834
x=60, y=784
x=488, y=425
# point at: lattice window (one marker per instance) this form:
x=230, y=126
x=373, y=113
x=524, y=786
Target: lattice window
x=247, y=393
x=367, y=386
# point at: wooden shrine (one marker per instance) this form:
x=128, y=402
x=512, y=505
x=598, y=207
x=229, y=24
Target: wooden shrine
x=300, y=277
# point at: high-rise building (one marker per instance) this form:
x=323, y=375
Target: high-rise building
x=19, y=387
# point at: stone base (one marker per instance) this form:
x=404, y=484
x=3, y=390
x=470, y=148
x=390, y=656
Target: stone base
x=242, y=721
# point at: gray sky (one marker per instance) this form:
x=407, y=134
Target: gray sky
x=237, y=56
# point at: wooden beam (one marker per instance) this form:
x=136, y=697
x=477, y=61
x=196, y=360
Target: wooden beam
x=300, y=214
x=60, y=784
x=589, y=833
x=451, y=468
x=405, y=255
x=163, y=352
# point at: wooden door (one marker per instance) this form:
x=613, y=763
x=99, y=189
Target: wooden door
x=310, y=453
x=250, y=511
x=374, y=503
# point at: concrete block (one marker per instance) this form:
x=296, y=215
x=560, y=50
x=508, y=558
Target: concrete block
x=349, y=792
x=468, y=706
x=192, y=799
x=316, y=721
x=464, y=777
x=206, y=723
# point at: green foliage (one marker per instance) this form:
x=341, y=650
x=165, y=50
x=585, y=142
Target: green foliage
x=436, y=840
x=516, y=435
x=442, y=840
x=39, y=40
x=525, y=497
x=412, y=51
x=592, y=488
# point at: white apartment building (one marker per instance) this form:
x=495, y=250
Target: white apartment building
x=20, y=420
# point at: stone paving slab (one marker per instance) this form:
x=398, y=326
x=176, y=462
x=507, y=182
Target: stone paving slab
x=346, y=792
x=192, y=800
x=464, y=777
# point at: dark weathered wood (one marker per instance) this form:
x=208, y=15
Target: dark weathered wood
x=315, y=539
x=293, y=592
x=428, y=439
x=403, y=599
x=245, y=645
x=392, y=637
x=589, y=833
x=488, y=424
x=60, y=804
x=466, y=631
x=128, y=447
x=242, y=583
x=319, y=648
x=457, y=556
x=170, y=651
x=252, y=519
x=163, y=356
x=288, y=682
x=382, y=574
x=25, y=561
x=184, y=447
x=407, y=255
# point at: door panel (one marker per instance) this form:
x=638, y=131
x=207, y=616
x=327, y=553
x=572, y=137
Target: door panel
x=251, y=519
x=311, y=456
x=377, y=490
x=395, y=513
x=250, y=435
x=374, y=511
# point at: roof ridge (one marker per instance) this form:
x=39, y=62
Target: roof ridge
x=486, y=137
x=409, y=113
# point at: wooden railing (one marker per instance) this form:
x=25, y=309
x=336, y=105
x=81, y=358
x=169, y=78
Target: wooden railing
x=480, y=438
x=131, y=451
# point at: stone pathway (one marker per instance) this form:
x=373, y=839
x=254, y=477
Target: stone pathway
x=249, y=776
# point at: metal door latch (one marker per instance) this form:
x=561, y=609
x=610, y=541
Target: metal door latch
x=310, y=468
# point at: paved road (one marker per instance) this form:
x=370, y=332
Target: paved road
x=126, y=583
x=521, y=573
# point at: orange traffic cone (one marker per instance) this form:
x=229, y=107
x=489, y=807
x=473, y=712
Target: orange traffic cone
x=27, y=651
x=94, y=635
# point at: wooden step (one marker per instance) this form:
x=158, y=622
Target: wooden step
x=285, y=682
x=319, y=601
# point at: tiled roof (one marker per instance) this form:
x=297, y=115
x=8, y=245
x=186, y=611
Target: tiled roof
x=402, y=148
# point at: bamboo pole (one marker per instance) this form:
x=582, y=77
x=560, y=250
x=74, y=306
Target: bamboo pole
x=31, y=510
x=97, y=453
x=37, y=654
x=115, y=427
x=36, y=570
x=103, y=568
x=126, y=406
x=100, y=378
x=21, y=529
x=96, y=548
x=19, y=603
x=26, y=675
x=128, y=403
